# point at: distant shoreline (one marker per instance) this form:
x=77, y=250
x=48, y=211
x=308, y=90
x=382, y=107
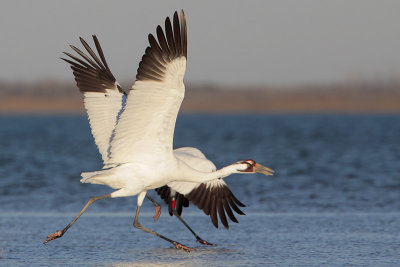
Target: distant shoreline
x=220, y=104
x=61, y=98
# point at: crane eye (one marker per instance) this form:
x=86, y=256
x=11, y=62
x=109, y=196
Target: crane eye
x=249, y=161
x=250, y=165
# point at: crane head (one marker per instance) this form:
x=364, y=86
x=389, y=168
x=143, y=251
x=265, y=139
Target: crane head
x=250, y=166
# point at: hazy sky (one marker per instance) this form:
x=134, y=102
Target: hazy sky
x=230, y=42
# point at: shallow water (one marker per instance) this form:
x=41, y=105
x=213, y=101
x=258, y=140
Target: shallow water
x=335, y=199
x=271, y=239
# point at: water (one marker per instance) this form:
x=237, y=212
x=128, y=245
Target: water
x=334, y=201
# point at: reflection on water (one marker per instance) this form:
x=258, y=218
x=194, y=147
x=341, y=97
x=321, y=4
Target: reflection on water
x=173, y=257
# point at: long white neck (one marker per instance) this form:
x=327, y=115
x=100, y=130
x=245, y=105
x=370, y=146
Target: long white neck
x=192, y=175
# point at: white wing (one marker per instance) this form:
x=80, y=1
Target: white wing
x=102, y=96
x=146, y=126
x=103, y=111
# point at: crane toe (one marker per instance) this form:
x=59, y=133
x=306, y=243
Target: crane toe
x=205, y=243
x=56, y=235
x=183, y=247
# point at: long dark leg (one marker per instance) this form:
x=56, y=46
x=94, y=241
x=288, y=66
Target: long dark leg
x=177, y=245
x=198, y=238
x=60, y=233
x=157, y=207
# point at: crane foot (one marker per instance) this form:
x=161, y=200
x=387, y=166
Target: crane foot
x=183, y=247
x=56, y=235
x=205, y=243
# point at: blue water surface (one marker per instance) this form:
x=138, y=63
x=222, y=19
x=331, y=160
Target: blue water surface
x=334, y=201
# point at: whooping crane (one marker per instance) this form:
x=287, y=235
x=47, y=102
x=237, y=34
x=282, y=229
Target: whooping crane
x=135, y=139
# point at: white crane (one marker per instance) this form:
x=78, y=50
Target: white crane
x=135, y=137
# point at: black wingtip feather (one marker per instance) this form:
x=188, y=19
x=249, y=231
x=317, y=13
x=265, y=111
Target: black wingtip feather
x=221, y=211
x=177, y=32
x=229, y=211
x=216, y=199
x=235, y=208
x=170, y=37
x=171, y=44
x=237, y=201
x=213, y=212
x=91, y=73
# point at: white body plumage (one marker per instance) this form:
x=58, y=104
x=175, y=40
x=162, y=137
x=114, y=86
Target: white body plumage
x=135, y=139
